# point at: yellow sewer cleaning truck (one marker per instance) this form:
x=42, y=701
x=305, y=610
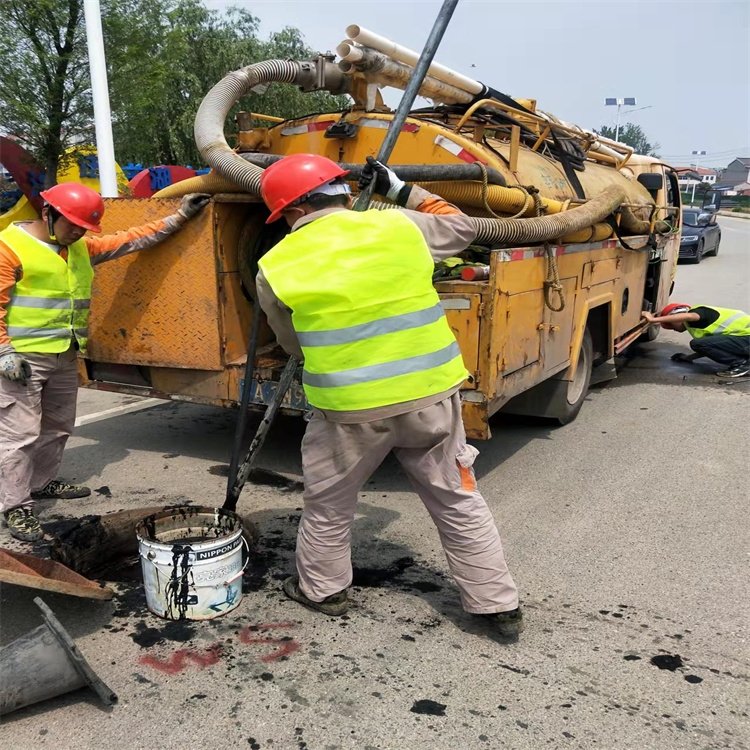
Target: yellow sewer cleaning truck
x=576, y=235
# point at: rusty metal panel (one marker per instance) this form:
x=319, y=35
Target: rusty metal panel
x=462, y=312
x=159, y=307
x=524, y=321
x=558, y=328
x=600, y=271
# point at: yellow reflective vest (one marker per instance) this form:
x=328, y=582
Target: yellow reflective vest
x=366, y=314
x=49, y=306
x=729, y=323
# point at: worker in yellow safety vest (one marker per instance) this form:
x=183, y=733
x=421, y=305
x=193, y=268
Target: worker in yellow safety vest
x=351, y=293
x=46, y=270
x=719, y=333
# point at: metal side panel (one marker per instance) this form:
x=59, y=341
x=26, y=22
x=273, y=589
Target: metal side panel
x=159, y=307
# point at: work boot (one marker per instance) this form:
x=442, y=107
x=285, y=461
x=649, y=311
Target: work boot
x=740, y=370
x=23, y=525
x=57, y=490
x=334, y=605
x=506, y=624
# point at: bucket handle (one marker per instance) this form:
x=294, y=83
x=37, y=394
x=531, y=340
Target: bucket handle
x=242, y=569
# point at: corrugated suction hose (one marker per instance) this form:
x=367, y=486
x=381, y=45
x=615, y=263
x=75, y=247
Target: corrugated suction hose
x=543, y=228
x=213, y=111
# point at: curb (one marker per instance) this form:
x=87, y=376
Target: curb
x=733, y=215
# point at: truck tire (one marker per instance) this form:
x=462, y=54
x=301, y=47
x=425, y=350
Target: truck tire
x=556, y=399
x=577, y=388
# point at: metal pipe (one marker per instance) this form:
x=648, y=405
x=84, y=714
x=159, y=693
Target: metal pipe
x=410, y=94
x=395, y=51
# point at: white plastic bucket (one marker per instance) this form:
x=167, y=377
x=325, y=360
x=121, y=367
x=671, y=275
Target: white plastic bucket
x=191, y=558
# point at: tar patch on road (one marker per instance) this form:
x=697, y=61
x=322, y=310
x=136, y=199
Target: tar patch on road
x=429, y=707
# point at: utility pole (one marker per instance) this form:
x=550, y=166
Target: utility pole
x=697, y=155
x=105, y=149
x=628, y=101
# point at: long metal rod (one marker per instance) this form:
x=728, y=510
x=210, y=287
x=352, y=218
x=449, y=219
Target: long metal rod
x=410, y=94
x=243, y=472
x=239, y=430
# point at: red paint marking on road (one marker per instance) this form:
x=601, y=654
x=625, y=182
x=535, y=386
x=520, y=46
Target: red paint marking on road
x=285, y=646
x=182, y=658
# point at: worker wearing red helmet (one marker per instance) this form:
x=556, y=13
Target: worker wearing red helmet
x=351, y=293
x=719, y=333
x=46, y=269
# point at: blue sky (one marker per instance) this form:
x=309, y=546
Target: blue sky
x=687, y=63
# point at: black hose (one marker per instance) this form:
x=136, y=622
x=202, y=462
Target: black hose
x=407, y=172
x=230, y=502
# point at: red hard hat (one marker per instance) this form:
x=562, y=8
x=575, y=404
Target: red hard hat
x=79, y=204
x=294, y=176
x=674, y=307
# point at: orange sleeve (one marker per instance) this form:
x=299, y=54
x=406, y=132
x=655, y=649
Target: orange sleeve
x=10, y=273
x=119, y=244
x=436, y=205
x=428, y=203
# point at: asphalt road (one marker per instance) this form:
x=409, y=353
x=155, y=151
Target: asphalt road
x=626, y=531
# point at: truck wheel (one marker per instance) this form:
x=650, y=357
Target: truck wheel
x=579, y=386
x=555, y=399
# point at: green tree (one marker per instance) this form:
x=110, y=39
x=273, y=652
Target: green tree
x=45, y=95
x=166, y=55
x=632, y=135
x=162, y=58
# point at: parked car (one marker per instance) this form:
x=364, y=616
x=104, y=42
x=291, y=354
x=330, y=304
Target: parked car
x=700, y=234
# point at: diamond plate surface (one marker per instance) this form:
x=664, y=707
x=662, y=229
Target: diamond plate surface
x=159, y=307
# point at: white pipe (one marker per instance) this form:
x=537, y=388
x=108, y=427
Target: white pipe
x=410, y=57
x=348, y=52
x=100, y=92
x=377, y=67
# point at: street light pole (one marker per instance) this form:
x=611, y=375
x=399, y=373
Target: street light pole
x=628, y=101
x=697, y=155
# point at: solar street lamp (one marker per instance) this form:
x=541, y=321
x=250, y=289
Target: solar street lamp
x=628, y=101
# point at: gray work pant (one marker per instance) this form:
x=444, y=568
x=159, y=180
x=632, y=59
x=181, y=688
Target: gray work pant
x=36, y=420
x=430, y=444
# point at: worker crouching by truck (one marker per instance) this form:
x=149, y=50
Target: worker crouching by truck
x=351, y=293
x=46, y=272
x=719, y=333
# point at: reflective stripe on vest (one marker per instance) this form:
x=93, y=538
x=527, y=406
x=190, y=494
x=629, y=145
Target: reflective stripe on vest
x=49, y=305
x=366, y=314
x=729, y=323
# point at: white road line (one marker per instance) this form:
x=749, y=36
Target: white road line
x=98, y=416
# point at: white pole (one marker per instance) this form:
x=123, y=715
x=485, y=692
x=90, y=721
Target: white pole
x=617, y=129
x=100, y=91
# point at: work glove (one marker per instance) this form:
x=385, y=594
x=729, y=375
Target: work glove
x=15, y=368
x=192, y=203
x=386, y=181
x=680, y=357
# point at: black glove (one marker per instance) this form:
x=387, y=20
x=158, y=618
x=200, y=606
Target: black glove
x=192, y=203
x=680, y=357
x=15, y=368
x=387, y=182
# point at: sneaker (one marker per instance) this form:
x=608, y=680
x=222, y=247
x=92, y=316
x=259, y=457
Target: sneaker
x=740, y=370
x=507, y=624
x=334, y=605
x=57, y=490
x=23, y=525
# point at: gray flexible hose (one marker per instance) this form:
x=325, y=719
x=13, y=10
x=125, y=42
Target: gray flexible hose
x=213, y=111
